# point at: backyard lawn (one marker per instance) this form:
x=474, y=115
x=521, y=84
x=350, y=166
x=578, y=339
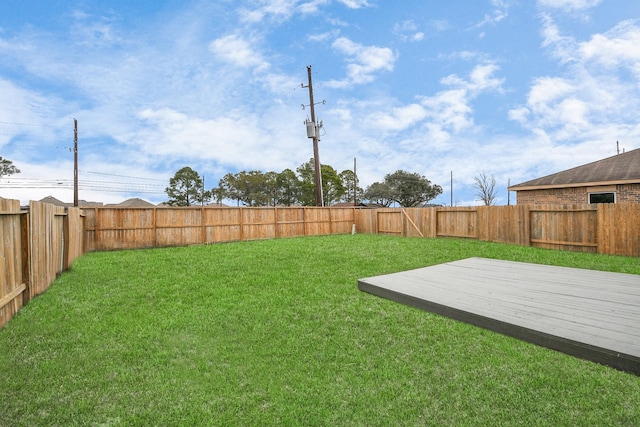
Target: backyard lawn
x=277, y=333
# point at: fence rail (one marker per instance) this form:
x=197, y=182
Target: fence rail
x=41, y=242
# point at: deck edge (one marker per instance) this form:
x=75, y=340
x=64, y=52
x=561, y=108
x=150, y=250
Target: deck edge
x=624, y=362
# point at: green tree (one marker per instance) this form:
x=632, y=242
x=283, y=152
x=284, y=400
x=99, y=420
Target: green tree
x=333, y=189
x=350, y=183
x=379, y=193
x=7, y=168
x=271, y=187
x=306, y=172
x=289, y=188
x=218, y=194
x=186, y=188
x=227, y=188
x=332, y=186
x=253, y=188
x=411, y=189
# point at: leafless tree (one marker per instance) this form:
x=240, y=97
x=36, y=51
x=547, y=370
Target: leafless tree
x=485, y=186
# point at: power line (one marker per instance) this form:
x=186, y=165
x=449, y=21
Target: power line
x=115, y=186
x=123, y=176
x=31, y=125
x=84, y=187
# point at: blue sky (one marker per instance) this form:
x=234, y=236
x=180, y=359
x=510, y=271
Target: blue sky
x=517, y=89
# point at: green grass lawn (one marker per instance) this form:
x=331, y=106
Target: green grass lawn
x=277, y=333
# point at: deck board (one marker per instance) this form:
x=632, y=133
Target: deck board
x=590, y=314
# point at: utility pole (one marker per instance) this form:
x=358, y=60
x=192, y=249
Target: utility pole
x=451, y=188
x=355, y=184
x=75, y=163
x=313, y=131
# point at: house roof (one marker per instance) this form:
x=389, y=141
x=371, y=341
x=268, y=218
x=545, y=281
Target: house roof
x=619, y=169
x=81, y=203
x=52, y=200
x=132, y=203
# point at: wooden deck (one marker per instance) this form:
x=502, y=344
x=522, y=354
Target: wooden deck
x=590, y=314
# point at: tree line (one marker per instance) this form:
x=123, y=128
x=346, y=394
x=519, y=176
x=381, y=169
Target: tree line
x=289, y=188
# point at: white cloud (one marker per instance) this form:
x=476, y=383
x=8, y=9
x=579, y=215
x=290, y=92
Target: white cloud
x=399, y=118
x=558, y=107
x=355, y=4
x=238, y=139
x=497, y=15
x=408, y=31
x=569, y=5
x=449, y=110
x=480, y=79
x=493, y=18
x=547, y=90
x=279, y=9
x=321, y=37
x=440, y=117
x=617, y=47
x=363, y=61
x=592, y=94
x=440, y=25
x=238, y=51
x=171, y=133
x=312, y=6
x=562, y=47
x=94, y=31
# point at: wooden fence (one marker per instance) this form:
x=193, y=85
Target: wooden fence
x=605, y=228
x=612, y=229
x=130, y=228
x=41, y=242
x=37, y=245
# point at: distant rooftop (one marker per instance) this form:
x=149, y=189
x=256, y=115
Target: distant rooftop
x=132, y=203
x=81, y=203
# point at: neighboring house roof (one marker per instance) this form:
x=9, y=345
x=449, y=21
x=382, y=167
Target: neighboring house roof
x=53, y=201
x=619, y=169
x=81, y=203
x=133, y=203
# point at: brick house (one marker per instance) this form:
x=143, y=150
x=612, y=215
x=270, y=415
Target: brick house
x=612, y=180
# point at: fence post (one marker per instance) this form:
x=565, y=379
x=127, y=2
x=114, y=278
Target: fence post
x=155, y=228
x=330, y=220
x=26, y=255
x=96, y=228
x=203, y=230
x=241, y=216
x=526, y=225
x=66, y=246
x=304, y=219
